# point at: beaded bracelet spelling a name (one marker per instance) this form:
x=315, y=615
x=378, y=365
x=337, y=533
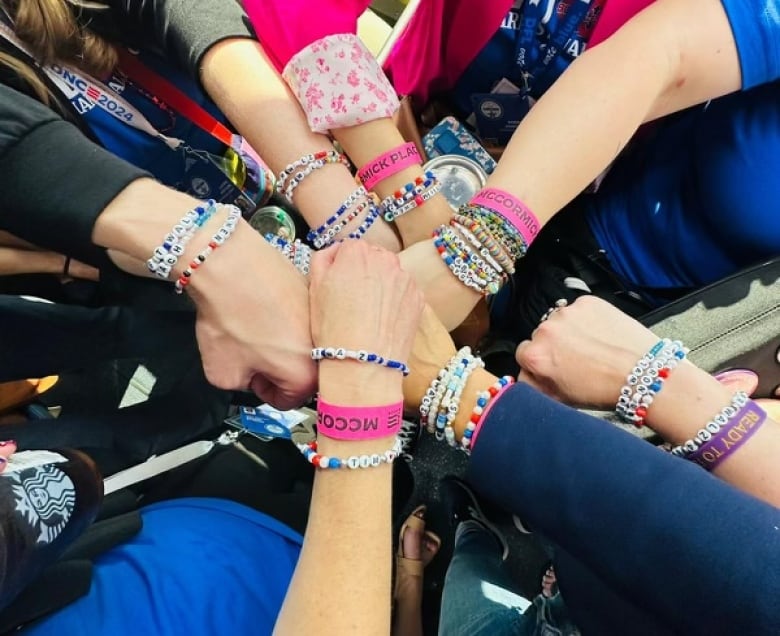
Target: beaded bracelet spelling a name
x=340, y=353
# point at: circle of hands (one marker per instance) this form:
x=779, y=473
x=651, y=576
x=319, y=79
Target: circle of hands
x=357, y=296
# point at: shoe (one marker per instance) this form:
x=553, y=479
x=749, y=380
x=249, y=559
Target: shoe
x=406, y=565
x=47, y=500
x=463, y=505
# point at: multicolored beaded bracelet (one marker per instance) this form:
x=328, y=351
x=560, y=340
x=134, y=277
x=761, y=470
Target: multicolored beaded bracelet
x=487, y=240
x=483, y=400
x=371, y=217
x=411, y=196
x=222, y=235
x=321, y=236
x=712, y=427
x=298, y=253
x=499, y=227
x=292, y=176
x=465, y=264
x=324, y=462
x=340, y=353
x=166, y=255
x=647, y=379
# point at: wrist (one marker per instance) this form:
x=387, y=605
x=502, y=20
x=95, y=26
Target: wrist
x=351, y=383
x=478, y=381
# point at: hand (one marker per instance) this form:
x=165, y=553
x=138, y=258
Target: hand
x=362, y=299
x=253, y=321
x=582, y=354
x=7, y=449
x=431, y=352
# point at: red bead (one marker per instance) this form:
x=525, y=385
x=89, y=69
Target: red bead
x=184, y=281
x=664, y=373
x=321, y=154
x=418, y=200
x=475, y=418
x=441, y=249
x=419, y=181
x=313, y=446
x=641, y=411
x=315, y=461
x=493, y=391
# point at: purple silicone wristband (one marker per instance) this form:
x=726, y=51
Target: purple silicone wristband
x=731, y=437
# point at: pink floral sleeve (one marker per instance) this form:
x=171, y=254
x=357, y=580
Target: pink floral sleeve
x=339, y=83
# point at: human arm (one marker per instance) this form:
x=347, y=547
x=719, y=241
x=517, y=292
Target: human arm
x=672, y=55
x=348, y=534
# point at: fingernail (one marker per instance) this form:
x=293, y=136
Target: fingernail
x=7, y=443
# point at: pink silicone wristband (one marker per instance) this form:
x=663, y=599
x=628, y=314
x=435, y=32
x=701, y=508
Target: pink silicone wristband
x=388, y=164
x=358, y=423
x=512, y=209
x=487, y=410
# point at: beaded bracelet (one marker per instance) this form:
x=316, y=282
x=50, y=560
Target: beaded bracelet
x=373, y=214
x=429, y=406
x=465, y=264
x=450, y=403
x=325, y=233
x=222, y=235
x=647, y=379
x=480, y=249
x=166, y=255
x=503, y=231
x=410, y=196
x=292, y=176
x=509, y=207
x=298, y=253
x=340, y=353
x=486, y=240
x=705, y=434
x=353, y=462
x=477, y=414
x=414, y=203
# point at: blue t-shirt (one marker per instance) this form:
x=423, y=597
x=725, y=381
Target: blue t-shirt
x=198, y=567
x=698, y=199
x=546, y=19
x=140, y=148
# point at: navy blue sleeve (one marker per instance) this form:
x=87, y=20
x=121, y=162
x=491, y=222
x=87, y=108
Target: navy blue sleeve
x=756, y=28
x=684, y=546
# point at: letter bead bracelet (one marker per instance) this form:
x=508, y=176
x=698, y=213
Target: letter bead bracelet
x=340, y=353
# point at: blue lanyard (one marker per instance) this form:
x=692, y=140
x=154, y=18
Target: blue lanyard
x=534, y=63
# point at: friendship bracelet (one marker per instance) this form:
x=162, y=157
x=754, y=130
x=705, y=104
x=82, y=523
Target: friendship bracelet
x=646, y=380
x=351, y=423
x=353, y=462
x=512, y=209
x=321, y=236
x=477, y=414
x=294, y=174
x=332, y=353
x=417, y=192
x=389, y=164
x=298, y=253
x=479, y=247
x=166, y=255
x=450, y=404
x=706, y=433
x=360, y=230
x=465, y=264
x=429, y=406
x=503, y=231
x=222, y=235
x=741, y=426
x=474, y=230
x=414, y=203
x=487, y=408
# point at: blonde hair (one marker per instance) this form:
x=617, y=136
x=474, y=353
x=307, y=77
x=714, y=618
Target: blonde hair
x=51, y=31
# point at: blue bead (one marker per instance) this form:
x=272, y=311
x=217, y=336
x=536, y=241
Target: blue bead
x=200, y=210
x=334, y=462
x=393, y=364
x=655, y=386
x=679, y=354
x=468, y=433
x=167, y=246
x=658, y=346
x=371, y=357
x=482, y=402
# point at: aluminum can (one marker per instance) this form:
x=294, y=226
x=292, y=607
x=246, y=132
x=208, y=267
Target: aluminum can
x=460, y=177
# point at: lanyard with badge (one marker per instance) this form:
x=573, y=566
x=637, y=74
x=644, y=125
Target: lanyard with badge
x=239, y=178
x=497, y=114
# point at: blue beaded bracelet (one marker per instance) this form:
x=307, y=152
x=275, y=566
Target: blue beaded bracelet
x=333, y=353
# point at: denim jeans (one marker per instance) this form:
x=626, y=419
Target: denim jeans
x=479, y=597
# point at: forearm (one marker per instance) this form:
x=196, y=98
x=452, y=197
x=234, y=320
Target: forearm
x=267, y=114
x=658, y=519
x=370, y=140
x=672, y=55
x=342, y=581
x=21, y=261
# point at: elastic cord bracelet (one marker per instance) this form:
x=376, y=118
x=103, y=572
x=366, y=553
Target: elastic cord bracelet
x=354, y=462
x=739, y=429
x=474, y=231
x=294, y=174
x=647, y=379
x=373, y=214
x=340, y=353
x=322, y=235
x=222, y=235
x=466, y=264
x=712, y=427
x=498, y=228
x=484, y=400
x=512, y=209
x=389, y=164
x=166, y=255
x=351, y=423
x=298, y=253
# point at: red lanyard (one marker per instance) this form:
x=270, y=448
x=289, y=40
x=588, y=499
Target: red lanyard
x=173, y=97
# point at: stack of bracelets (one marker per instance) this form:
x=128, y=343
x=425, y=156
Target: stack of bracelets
x=441, y=403
x=485, y=238
x=726, y=432
x=166, y=255
x=348, y=423
x=647, y=379
x=298, y=253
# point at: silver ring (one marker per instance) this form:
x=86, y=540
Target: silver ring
x=559, y=304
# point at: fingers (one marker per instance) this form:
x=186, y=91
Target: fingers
x=521, y=351
x=7, y=448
